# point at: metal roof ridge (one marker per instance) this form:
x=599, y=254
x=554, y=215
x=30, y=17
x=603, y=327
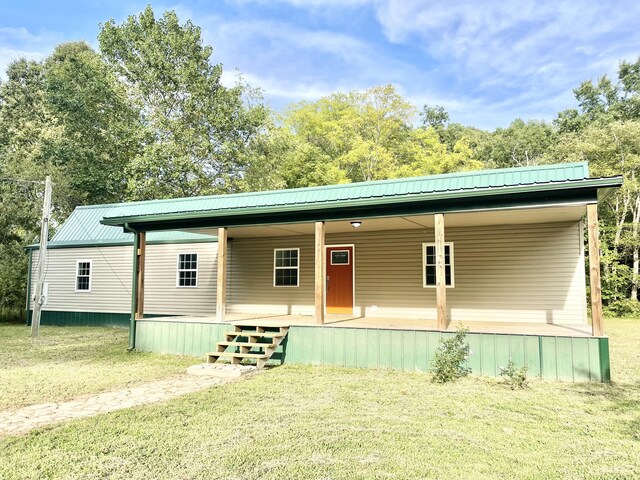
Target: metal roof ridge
x=553, y=166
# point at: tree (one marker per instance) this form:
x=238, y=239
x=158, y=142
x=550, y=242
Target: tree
x=605, y=101
x=436, y=117
x=520, y=144
x=194, y=131
x=359, y=136
x=98, y=131
x=67, y=117
x=426, y=155
x=357, y=132
x=24, y=121
x=605, y=130
x=149, y=120
x=611, y=149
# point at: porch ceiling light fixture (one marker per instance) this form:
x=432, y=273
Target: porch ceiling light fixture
x=356, y=224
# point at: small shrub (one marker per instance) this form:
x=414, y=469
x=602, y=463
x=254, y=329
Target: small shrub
x=623, y=308
x=514, y=377
x=449, y=361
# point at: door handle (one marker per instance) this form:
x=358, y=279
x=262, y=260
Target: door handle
x=328, y=278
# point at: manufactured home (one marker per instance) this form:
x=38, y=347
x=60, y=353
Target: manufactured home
x=366, y=274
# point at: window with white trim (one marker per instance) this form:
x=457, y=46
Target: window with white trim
x=429, y=264
x=83, y=276
x=286, y=267
x=187, y=270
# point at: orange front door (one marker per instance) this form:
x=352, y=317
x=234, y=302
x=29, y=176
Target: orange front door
x=340, y=280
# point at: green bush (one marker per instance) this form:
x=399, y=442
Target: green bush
x=450, y=360
x=623, y=308
x=514, y=377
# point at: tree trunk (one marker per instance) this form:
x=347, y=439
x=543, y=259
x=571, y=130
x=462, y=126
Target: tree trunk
x=636, y=251
x=634, y=278
x=620, y=218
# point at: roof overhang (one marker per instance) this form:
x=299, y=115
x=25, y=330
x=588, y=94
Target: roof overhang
x=495, y=198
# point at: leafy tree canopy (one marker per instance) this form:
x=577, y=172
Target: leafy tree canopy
x=358, y=136
x=193, y=129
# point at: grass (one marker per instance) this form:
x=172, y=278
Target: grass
x=63, y=363
x=334, y=423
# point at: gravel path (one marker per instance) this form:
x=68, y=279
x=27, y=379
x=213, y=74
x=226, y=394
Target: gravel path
x=34, y=416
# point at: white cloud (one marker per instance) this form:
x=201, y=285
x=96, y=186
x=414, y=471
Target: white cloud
x=18, y=43
x=512, y=41
x=292, y=63
x=523, y=57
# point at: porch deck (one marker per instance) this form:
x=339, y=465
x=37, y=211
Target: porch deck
x=348, y=321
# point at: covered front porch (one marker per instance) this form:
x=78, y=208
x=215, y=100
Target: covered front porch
x=519, y=290
x=517, y=271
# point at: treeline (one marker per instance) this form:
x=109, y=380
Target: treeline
x=146, y=116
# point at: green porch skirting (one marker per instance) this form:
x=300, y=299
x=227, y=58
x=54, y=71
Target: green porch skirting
x=574, y=359
x=85, y=319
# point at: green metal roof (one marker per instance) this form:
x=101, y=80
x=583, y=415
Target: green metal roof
x=402, y=187
x=218, y=210
x=83, y=228
x=99, y=224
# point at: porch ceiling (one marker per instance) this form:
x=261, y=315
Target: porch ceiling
x=466, y=219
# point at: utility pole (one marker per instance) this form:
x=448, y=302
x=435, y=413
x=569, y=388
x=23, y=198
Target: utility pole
x=42, y=259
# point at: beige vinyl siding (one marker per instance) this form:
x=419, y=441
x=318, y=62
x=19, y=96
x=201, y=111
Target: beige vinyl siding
x=250, y=286
x=111, y=280
x=161, y=295
x=511, y=273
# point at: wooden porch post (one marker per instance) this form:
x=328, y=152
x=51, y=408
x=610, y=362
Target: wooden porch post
x=221, y=287
x=142, y=246
x=320, y=276
x=441, y=278
x=594, y=270
x=135, y=281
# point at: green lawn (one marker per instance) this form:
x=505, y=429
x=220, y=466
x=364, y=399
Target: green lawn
x=332, y=423
x=63, y=363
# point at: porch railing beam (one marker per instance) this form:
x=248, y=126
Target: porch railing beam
x=441, y=277
x=320, y=273
x=594, y=271
x=221, y=287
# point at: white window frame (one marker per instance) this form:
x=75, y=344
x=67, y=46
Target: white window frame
x=178, y=269
x=78, y=262
x=348, y=257
x=286, y=268
x=424, y=264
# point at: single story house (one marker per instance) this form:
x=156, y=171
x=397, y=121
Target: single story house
x=365, y=274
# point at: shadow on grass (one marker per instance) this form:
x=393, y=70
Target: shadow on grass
x=623, y=399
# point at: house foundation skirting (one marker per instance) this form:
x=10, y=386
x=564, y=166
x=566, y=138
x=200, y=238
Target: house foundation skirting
x=573, y=359
x=85, y=319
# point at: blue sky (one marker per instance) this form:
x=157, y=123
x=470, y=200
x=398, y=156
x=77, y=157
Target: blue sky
x=487, y=64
